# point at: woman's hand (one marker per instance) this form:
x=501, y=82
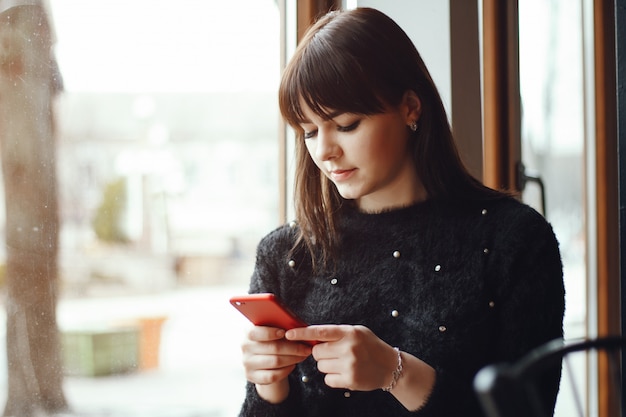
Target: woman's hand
x=268, y=359
x=353, y=357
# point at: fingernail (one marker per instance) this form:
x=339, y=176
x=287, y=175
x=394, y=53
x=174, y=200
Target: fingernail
x=280, y=333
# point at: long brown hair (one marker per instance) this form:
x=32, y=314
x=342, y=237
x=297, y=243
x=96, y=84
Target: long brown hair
x=359, y=61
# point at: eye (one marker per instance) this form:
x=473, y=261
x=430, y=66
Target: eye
x=349, y=128
x=310, y=134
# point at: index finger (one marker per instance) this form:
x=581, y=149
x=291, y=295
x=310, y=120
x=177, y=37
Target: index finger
x=320, y=333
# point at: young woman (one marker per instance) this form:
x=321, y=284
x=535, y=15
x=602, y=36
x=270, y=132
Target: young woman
x=411, y=273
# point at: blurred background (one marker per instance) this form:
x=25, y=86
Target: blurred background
x=167, y=130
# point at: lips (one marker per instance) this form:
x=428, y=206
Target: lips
x=341, y=174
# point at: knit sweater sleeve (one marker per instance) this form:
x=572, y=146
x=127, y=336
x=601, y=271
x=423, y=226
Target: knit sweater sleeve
x=255, y=406
x=265, y=275
x=529, y=287
x=266, y=278
x=531, y=297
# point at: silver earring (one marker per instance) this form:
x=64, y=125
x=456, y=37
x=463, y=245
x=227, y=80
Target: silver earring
x=413, y=126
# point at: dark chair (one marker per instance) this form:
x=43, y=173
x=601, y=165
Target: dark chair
x=512, y=390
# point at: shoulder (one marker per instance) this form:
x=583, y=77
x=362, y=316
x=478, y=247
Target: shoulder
x=272, y=256
x=502, y=213
x=522, y=235
x=503, y=222
x=280, y=239
x=514, y=218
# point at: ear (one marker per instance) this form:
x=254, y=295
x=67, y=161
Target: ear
x=411, y=106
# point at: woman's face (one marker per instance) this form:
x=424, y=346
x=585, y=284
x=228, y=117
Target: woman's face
x=366, y=157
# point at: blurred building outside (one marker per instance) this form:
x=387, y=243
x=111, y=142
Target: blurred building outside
x=186, y=119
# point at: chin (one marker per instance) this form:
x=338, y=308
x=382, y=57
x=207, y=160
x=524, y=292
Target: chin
x=347, y=195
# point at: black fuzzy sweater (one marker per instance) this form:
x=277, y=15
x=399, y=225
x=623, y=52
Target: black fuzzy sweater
x=456, y=285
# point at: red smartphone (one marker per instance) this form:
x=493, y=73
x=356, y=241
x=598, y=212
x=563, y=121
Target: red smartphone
x=265, y=309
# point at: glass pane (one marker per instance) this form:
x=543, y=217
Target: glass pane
x=552, y=90
x=167, y=163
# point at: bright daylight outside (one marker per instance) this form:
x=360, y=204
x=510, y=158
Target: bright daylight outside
x=166, y=159
x=167, y=165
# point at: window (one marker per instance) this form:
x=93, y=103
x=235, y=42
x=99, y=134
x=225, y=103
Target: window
x=552, y=88
x=166, y=157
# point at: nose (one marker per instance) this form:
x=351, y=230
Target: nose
x=326, y=146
